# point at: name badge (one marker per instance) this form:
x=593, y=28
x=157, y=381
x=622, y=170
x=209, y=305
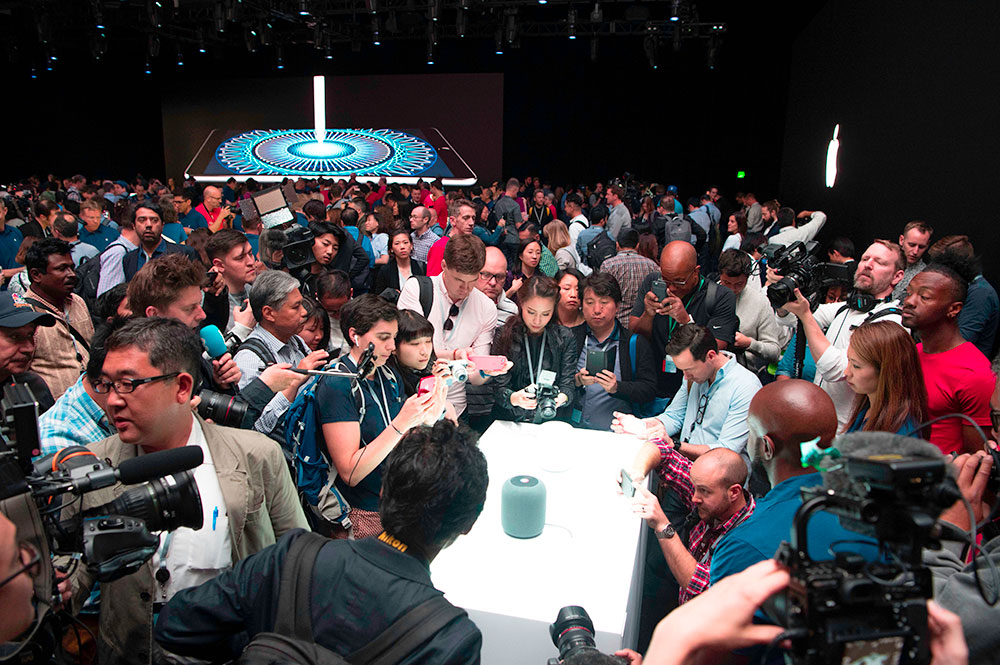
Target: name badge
x=668, y=365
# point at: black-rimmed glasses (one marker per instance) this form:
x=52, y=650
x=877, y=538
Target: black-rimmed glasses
x=125, y=386
x=702, y=405
x=30, y=558
x=488, y=277
x=681, y=283
x=452, y=313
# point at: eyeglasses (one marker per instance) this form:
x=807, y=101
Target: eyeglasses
x=684, y=281
x=702, y=405
x=452, y=313
x=490, y=277
x=125, y=386
x=30, y=557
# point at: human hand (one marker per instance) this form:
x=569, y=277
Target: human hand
x=497, y=372
x=244, y=315
x=280, y=377
x=637, y=475
x=216, y=285
x=314, y=360
x=630, y=657
x=515, y=285
x=651, y=304
x=606, y=379
x=225, y=370
x=673, y=307
x=804, y=213
x=561, y=399
x=64, y=589
x=721, y=617
x=523, y=399
x=582, y=378
x=772, y=276
x=647, y=506
x=972, y=473
x=948, y=646
x=742, y=341
x=416, y=409
x=799, y=306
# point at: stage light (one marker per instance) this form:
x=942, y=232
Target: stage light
x=372, y=6
x=460, y=23
x=543, y=2
x=319, y=108
x=712, y=46
x=98, y=20
x=180, y=58
x=329, y=53
x=741, y=174
x=831, y=158
x=34, y=73
x=675, y=10
x=571, y=21
x=303, y=8
x=148, y=69
x=220, y=18
x=435, y=9
x=154, y=46
x=596, y=15
x=499, y=40
x=279, y=54
x=201, y=41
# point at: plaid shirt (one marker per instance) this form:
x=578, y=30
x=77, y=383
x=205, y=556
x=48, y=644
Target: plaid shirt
x=675, y=470
x=74, y=420
x=629, y=268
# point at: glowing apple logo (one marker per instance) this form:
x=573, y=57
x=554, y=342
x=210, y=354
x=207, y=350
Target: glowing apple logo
x=831, y=158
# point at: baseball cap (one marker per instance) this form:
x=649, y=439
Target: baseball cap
x=672, y=189
x=122, y=183
x=15, y=312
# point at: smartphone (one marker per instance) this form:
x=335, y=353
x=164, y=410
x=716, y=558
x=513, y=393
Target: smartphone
x=597, y=362
x=426, y=385
x=271, y=155
x=659, y=289
x=489, y=363
x=628, y=489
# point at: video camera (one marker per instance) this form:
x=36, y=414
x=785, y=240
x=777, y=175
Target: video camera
x=849, y=609
x=801, y=269
x=114, y=539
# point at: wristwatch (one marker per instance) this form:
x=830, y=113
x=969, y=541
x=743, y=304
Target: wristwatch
x=666, y=532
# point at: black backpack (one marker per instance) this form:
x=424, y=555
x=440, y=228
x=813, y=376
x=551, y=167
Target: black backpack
x=88, y=277
x=293, y=642
x=600, y=248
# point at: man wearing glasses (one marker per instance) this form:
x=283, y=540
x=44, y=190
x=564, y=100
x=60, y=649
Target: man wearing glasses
x=690, y=299
x=248, y=499
x=213, y=215
x=422, y=235
x=464, y=318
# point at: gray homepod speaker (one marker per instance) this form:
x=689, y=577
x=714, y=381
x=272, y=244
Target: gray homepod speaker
x=522, y=507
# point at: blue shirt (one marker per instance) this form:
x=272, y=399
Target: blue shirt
x=101, y=238
x=723, y=405
x=771, y=523
x=175, y=231
x=787, y=362
x=10, y=242
x=980, y=314
x=254, y=241
x=906, y=430
x=598, y=406
x=336, y=403
x=192, y=220
x=366, y=243
x=74, y=420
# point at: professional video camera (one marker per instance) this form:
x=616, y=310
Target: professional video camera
x=545, y=393
x=114, y=538
x=847, y=609
x=298, y=248
x=801, y=269
x=573, y=633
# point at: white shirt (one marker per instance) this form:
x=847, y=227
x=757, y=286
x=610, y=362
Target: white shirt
x=193, y=557
x=473, y=326
x=574, y=229
x=804, y=232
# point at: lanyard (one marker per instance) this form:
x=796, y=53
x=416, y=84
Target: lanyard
x=383, y=407
x=541, y=354
x=672, y=323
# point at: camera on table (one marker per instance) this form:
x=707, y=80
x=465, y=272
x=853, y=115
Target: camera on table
x=114, y=539
x=849, y=609
x=573, y=634
x=801, y=269
x=545, y=393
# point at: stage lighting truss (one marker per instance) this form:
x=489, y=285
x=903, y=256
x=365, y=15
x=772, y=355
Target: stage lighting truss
x=296, y=152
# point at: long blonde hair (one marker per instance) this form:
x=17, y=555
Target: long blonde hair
x=557, y=234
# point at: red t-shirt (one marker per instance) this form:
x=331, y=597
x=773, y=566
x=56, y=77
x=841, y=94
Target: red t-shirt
x=434, y=256
x=441, y=205
x=958, y=381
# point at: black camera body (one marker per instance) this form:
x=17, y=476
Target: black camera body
x=847, y=609
x=801, y=269
x=546, y=394
x=298, y=248
x=572, y=634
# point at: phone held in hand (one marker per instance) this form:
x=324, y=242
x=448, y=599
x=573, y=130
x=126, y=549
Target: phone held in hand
x=489, y=363
x=426, y=385
x=659, y=289
x=628, y=489
x=597, y=362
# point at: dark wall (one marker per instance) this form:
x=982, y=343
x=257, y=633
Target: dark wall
x=914, y=88
x=472, y=121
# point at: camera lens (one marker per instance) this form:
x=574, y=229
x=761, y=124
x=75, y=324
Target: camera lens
x=222, y=409
x=164, y=504
x=572, y=631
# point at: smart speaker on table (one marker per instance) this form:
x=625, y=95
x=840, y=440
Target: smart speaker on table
x=522, y=507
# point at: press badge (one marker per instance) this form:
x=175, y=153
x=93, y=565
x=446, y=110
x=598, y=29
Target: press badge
x=668, y=365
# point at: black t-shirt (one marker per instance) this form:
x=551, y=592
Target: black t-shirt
x=720, y=319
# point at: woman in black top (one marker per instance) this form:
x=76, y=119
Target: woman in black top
x=568, y=310
x=529, y=255
x=400, y=266
x=535, y=341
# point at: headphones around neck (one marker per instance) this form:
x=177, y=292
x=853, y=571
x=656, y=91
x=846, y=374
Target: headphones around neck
x=863, y=302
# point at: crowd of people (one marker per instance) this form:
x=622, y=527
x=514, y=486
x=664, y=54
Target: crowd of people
x=641, y=312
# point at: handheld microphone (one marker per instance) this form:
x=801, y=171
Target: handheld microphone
x=136, y=470
x=214, y=342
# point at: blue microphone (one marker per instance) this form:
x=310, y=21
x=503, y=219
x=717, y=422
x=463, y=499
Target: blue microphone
x=215, y=343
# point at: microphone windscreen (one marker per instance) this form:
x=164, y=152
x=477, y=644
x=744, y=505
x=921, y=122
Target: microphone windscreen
x=159, y=464
x=522, y=507
x=215, y=343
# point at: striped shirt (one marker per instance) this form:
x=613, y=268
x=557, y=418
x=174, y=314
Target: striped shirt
x=675, y=471
x=74, y=420
x=629, y=268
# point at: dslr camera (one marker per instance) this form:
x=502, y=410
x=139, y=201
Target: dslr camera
x=801, y=269
x=545, y=392
x=848, y=609
x=572, y=634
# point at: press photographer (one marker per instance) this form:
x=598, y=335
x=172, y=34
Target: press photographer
x=149, y=376
x=828, y=331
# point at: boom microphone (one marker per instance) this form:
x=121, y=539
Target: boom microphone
x=131, y=471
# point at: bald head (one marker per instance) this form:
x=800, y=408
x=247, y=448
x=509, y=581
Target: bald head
x=723, y=465
x=211, y=197
x=788, y=413
x=679, y=263
x=495, y=269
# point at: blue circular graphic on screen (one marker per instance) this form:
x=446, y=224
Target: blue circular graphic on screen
x=296, y=152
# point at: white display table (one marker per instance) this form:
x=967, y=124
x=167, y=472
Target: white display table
x=591, y=552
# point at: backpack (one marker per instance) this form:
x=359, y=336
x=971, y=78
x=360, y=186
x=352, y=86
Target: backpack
x=676, y=227
x=293, y=641
x=88, y=277
x=601, y=247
